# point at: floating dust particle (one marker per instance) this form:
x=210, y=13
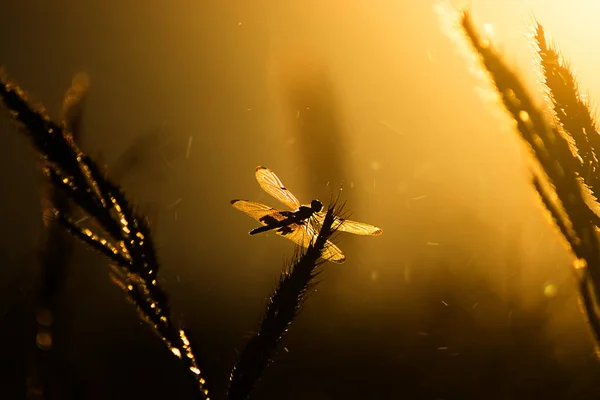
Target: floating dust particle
x=374, y=275
x=189, y=147
x=550, y=290
x=429, y=55
x=175, y=203
x=444, y=303
x=81, y=220
x=443, y=348
x=475, y=305
x=390, y=127
x=432, y=243
x=423, y=333
x=419, y=197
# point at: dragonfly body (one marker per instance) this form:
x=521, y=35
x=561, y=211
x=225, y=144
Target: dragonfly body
x=297, y=224
x=292, y=217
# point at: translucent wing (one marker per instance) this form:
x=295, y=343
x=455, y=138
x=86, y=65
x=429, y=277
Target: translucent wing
x=271, y=184
x=303, y=235
x=346, y=225
x=260, y=212
x=333, y=253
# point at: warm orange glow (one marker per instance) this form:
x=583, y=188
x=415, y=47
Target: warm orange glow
x=382, y=98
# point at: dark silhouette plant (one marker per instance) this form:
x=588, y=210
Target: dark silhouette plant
x=123, y=235
x=565, y=146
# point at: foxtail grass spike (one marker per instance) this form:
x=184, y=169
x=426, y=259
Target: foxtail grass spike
x=572, y=111
x=553, y=153
x=283, y=307
x=83, y=182
x=569, y=107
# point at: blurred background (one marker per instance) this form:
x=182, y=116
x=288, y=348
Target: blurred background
x=469, y=292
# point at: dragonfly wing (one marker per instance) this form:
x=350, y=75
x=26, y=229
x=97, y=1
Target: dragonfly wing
x=300, y=233
x=333, y=253
x=264, y=214
x=297, y=233
x=346, y=225
x=271, y=184
x=303, y=235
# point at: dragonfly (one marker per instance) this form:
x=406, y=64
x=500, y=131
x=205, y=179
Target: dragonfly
x=297, y=224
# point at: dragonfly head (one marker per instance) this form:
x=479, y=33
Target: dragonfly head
x=316, y=205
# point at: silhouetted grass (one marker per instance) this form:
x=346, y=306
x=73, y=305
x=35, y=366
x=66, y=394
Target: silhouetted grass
x=284, y=305
x=123, y=235
x=571, y=110
x=562, y=189
x=129, y=242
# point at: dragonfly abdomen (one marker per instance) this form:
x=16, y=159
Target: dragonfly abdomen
x=261, y=229
x=273, y=223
